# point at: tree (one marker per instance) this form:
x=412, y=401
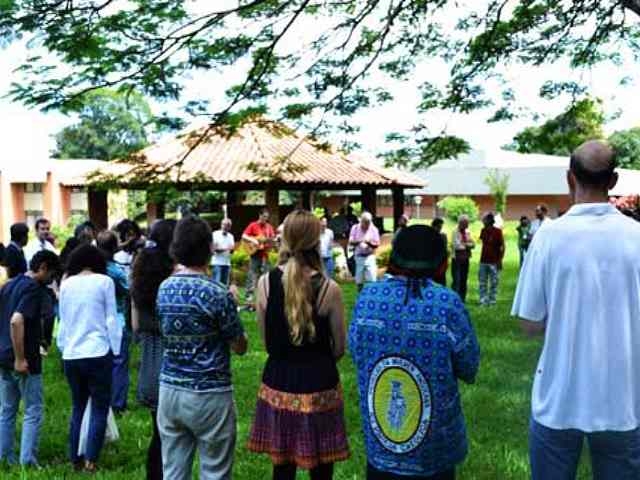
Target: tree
x=151, y=45
x=562, y=134
x=110, y=126
x=627, y=146
x=498, y=184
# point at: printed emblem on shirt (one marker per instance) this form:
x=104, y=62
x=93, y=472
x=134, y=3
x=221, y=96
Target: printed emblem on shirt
x=399, y=400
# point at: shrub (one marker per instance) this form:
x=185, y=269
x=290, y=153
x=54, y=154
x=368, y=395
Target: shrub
x=384, y=256
x=63, y=233
x=456, y=206
x=239, y=259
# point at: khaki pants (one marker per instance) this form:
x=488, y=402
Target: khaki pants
x=204, y=420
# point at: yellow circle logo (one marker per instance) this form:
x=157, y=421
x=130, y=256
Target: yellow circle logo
x=399, y=404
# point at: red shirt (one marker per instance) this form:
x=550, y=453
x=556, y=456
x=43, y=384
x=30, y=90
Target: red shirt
x=260, y=231
x=492, y=245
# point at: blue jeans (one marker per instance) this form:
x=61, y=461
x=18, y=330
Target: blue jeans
x=221, y=274
x=120, y=374
x=89, y=377
x=555, y=454
x=488, y=278
x=329, y=266
x=13, y=387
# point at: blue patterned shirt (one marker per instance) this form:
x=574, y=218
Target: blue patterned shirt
x=410, y=350
x=117, y=273
x=198, y=319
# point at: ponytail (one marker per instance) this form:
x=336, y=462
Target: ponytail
x=298, y=295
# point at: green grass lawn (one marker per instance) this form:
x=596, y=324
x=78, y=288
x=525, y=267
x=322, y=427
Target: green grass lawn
x=496, y=407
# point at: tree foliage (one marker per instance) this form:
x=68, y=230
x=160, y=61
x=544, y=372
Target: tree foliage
x=561, y=135
x=454, y=207
x=498, y=184
x=317, y=59
x=627, y=146
x=110, y=126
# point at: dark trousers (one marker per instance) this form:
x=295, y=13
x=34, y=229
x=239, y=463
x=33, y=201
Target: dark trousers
x=89, y=377
x=120, y=374
x=154, y=453
x=288, y=472
x=374, y=474
x=555, y=454
x=460, y=274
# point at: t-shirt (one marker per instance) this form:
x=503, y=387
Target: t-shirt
x=22, y=295
x=260, y=231
x=198, y=319
x=224, y=241
x=524, y=236
x=124, y=259
x=35, y=246
x=370, y=235
x=492, y=245
x=409, y=351
x=582, y=275
x=116, y=272
x=14, y=260
x=537, y=224
x=326, y=243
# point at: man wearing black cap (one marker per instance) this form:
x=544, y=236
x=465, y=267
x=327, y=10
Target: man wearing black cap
x=411, y=340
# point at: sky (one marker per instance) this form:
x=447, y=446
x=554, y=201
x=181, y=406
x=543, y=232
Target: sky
x=27, y=134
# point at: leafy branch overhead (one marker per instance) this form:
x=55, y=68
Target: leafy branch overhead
x=315, y=59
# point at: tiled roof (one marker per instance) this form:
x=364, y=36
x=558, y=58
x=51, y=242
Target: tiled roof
x=213, y=155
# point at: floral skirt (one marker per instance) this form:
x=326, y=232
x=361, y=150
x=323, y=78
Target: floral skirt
x=305, y=429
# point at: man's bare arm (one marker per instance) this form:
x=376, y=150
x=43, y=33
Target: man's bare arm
x=17, y=339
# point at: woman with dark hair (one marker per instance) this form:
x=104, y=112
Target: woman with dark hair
x=411, y=341
x=299, y=419
x=200, y=325
x=89, y=336
x=107, y=242
x=129, y=243
x=150, y=268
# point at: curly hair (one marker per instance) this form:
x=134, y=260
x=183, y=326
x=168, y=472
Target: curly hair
x=152, y=265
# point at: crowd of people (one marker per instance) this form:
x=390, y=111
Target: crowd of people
x=410, y=336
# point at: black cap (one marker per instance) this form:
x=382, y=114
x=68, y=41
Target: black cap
x=418, y=247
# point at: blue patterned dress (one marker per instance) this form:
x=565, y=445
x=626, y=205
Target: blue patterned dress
x=411, y=342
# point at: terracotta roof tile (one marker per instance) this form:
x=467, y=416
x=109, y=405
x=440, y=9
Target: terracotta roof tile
x=223, y=159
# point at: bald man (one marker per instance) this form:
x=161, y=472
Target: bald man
x=579, y=287
x=222, y=246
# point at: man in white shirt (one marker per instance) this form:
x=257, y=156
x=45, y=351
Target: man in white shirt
x=223, y=246
x=43, y=227
x=542, y=213
x=579, y=287
x=365, y=238
x=326, y=248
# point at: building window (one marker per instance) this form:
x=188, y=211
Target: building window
x=78, y=190
x=32, y=216
x=33, y=187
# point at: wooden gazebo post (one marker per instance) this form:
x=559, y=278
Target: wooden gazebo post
x=99, y=208
x=369, y=200
x=272, y=197
x=398, y=206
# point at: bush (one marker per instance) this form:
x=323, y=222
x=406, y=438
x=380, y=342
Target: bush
x=63, y=233
x=384, y=256
x=456, y=206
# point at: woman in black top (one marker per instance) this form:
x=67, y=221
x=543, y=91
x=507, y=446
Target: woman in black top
x=150, y=268
x=299, y=420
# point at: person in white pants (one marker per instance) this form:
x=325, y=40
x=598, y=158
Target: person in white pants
x=365, y=238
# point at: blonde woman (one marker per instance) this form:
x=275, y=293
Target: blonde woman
x=299, y=420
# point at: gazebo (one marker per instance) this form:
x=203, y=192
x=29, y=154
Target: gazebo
x=258, y=155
